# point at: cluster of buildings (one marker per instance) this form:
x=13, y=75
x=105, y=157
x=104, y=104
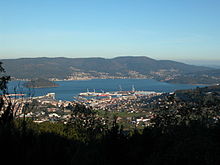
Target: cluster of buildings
x=40, y=109
x=130, y=106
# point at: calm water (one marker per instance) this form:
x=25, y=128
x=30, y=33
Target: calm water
x=68, y=89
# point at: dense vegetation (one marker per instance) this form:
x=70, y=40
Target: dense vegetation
x=40, y=83
x=185, y=130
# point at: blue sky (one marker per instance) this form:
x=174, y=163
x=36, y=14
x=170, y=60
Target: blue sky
x=161, y=29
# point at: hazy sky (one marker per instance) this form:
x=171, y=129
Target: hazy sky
x=161, y=29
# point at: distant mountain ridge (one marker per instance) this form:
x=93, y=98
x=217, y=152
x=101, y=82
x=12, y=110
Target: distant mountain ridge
x=70, y=68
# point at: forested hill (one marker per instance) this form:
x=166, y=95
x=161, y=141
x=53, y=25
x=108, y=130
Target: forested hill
x=62, y=68
x=201, y=77
x=40, y=83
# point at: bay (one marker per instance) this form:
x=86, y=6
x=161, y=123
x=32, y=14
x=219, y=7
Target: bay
x=69, y=89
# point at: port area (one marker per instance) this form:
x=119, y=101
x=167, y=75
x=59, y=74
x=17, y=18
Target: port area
x=99, y=100
x=115, y=94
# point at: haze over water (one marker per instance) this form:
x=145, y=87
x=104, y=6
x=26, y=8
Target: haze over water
x=69, y=89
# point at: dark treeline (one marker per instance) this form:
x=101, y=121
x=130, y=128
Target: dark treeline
x=185, y=132
x=54, y=143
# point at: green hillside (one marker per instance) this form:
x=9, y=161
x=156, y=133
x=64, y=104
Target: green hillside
x=61, y=68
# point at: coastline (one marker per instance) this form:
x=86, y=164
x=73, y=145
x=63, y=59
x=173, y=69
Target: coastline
x=84, y=79
x=88, y=79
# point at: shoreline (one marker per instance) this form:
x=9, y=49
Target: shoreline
x=57, y=80
x=83, y=79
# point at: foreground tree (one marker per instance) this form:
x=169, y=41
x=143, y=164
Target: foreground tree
x=87, y=124
x=5, y=106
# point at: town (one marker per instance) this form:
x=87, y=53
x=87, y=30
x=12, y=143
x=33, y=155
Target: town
x=132, y=109
x=128, y=106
